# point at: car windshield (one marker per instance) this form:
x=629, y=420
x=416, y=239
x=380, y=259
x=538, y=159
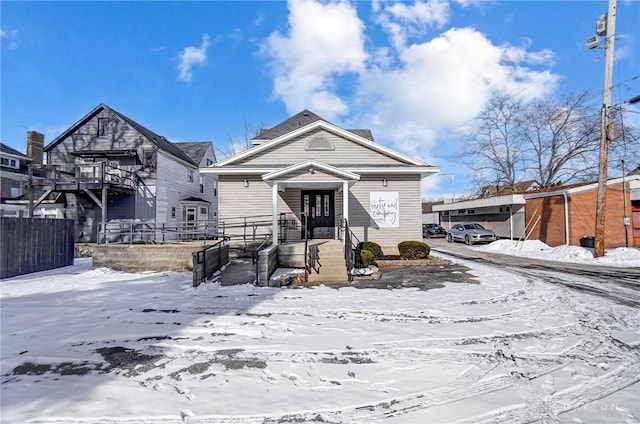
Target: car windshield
x=473, y=227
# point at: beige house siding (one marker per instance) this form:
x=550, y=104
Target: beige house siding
x=410, y=217
x=294, y=151
x=256, y=199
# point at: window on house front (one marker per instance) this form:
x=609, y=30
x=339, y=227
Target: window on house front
x=13, y=163
x=209, y=162
x=102, y=126
x=190, y=176
x=204, y=211
x=149, y=160
x=173, y=212
x=4, y=161
x=16, y=189
x=201, y=183
x=215, y=188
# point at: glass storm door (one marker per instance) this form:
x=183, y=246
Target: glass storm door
x=318, y=206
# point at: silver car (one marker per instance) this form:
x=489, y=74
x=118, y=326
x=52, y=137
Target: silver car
x=470, y=233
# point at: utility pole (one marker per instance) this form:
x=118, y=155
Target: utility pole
x=607, y=127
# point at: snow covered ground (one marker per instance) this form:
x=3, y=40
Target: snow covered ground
x=98, y=346
x=621, y=256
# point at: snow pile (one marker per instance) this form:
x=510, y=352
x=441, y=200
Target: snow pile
x=621, y=256
x=104, y=347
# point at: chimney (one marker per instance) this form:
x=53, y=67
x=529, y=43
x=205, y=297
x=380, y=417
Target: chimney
x=35, y=145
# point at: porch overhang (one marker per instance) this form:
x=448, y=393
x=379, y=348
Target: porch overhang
x=307, y=175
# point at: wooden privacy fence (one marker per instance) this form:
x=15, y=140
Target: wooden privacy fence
x=34, y=244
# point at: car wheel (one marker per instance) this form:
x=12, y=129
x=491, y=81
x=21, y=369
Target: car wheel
x=449, y=238
x=467, y=240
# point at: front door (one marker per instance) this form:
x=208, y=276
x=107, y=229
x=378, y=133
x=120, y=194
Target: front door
x=318, y=206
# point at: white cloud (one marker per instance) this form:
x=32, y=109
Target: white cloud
x=442, y=83
x=9, y=38
x=402, y=21
x=324, y=41
x=191, y=56
x=411, y=94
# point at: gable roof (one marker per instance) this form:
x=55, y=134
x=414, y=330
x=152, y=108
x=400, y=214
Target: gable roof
x=159, y=141
x=311, y=164
x=195, y=150
x=319, y=123
x=11, y=151
x=299, y=120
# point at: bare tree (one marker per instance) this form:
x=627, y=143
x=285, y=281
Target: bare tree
x=242, y=143
x=560, y=136
x=494, y=150
x=550, y=141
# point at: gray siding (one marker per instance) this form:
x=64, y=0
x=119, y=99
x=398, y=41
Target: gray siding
x=172, y=186
x=120, y=136
x=345, y=152
x=210, y=184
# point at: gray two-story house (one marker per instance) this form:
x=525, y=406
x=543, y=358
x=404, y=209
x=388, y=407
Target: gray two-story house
x=115, y=173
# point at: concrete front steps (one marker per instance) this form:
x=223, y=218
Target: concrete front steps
x=330, y=266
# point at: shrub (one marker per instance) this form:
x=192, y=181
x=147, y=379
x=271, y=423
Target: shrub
x=371, y=247
x=414, y=250
x=366, y=256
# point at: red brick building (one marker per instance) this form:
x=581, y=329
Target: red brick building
x=563, y=215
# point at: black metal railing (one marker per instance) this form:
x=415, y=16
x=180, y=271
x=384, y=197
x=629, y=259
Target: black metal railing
x=351, y=249
x=79, y=175
x=134, y=231
x=209, y=260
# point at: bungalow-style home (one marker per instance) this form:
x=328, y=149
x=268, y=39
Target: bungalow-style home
x=567, y=215
x=309, y=177
x=116, y=174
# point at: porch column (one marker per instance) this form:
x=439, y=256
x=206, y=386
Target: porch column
x=274, y=208
x=345, y=205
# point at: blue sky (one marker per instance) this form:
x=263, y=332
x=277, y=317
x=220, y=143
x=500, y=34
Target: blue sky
x=412, y=72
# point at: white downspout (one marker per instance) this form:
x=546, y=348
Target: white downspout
x=274, y=208
x=566, y=218
x=511, y=222
x=345, y=205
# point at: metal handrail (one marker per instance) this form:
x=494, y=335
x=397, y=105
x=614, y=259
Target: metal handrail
x=99, y=173
x=201, y=258
x=350, y=248
x=129, y=231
